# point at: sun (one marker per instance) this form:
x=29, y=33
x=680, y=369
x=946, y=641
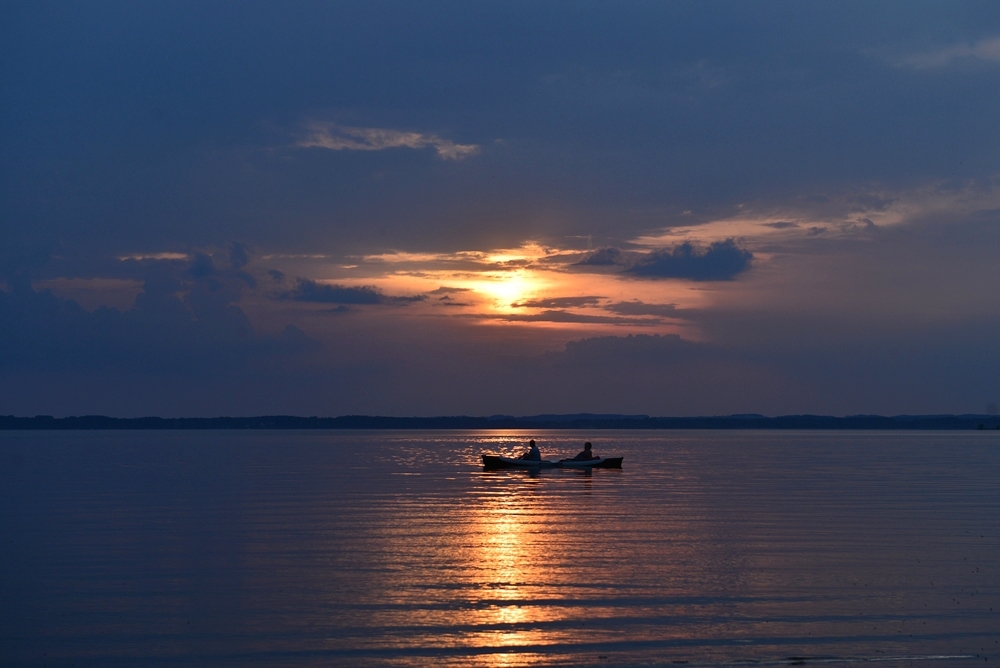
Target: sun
x=509, y=289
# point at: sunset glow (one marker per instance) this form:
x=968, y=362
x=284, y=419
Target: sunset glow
x=651, y=208
x=533, y=286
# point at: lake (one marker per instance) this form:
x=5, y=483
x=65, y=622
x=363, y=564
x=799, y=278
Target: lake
x=295, y=548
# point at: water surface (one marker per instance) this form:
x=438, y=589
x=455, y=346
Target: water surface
x=395, y=548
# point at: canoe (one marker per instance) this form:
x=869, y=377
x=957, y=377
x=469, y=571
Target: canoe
x=498, y=462
x=599, y=463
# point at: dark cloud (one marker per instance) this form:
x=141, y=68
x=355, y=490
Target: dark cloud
x=558, y=302
x=602, y=257
x=511, y=264
x=322, y=293
x=311, y=291
x=445, y=290
x=640, y=308
x=238, y=255
x=781, y=225
x=202, y=265
x=721, y=261
x=554, y=315
x=194, y=333
x=448, y=301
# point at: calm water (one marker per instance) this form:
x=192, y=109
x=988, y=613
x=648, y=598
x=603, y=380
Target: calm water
x=396, y=548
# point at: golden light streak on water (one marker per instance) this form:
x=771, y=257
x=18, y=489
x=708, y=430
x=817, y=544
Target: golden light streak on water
x=501, y=537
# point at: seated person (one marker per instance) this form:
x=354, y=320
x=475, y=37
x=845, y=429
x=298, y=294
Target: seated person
x=587, y=454
x=533, y=453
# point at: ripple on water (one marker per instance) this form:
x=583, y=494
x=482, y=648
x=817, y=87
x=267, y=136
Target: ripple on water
x=396, y=548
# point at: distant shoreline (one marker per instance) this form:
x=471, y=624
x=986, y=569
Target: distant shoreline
x=501, y=422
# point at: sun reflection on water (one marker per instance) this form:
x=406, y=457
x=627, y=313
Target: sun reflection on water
x=507, y=554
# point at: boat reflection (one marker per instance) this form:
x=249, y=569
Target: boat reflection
x=530, y=472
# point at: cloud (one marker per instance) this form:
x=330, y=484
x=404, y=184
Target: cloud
x=447, y=301
x=180, y=323
x=140, y=257
x=721, y=261
x=554, y=315
x=987, y=50
x=344, y=138
x=558, y=302
x=238, y=255
x=202, y=265
x=641, y=308
x=602, y=257
x=323, y=293
x=445, y=290
x=781, y=225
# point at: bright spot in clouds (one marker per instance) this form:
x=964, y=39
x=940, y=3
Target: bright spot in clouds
x=507, y=289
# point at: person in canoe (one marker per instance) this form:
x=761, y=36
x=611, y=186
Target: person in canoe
x=586, y=455
x=533, y=454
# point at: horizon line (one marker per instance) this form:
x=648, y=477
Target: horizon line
x=946, y=421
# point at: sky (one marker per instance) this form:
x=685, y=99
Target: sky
x=447, y=208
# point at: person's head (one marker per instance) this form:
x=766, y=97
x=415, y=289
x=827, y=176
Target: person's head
x=531, y=443
x=587, y=446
